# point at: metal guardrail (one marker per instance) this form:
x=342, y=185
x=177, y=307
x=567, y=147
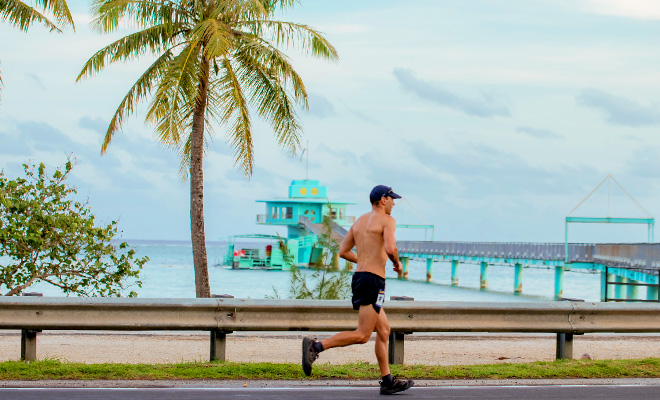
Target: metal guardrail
x=222, y=316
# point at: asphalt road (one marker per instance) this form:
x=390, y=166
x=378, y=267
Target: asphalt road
x=582, y=392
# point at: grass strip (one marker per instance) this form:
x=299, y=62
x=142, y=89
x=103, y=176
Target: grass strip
x=55, y=369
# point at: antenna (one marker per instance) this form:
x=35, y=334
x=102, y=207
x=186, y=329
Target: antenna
x=306, y=150
x=609, y=196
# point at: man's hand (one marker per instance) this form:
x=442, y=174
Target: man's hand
x=398, y=267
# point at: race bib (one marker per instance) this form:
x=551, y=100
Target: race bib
x=381, y=298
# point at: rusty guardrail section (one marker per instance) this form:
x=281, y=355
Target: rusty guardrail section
x=222, y=316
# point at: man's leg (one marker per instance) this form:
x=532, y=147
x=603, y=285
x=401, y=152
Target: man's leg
x=382, y=336
x=388, y=384
x=367, y=320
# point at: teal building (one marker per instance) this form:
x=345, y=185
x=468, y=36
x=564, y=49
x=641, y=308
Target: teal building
x=308, y=200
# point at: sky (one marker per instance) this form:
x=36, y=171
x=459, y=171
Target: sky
x=492, y=118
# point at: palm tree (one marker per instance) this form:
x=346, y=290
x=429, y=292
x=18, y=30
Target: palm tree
x=214, y=59
x=23, y=16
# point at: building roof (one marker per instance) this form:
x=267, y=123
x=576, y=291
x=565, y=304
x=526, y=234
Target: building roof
x=304, y=200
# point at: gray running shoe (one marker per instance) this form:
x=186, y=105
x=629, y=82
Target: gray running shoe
x=396, y=386
x=309, y=355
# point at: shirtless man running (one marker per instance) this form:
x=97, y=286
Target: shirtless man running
x=373, y=235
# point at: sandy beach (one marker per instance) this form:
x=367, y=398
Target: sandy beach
x=439, y=349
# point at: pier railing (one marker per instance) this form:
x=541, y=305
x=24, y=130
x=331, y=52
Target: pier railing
x=637, y=255
x=642, y=256
x=223, y=316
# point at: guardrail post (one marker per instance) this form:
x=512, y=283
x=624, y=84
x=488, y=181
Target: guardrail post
x=29, y=338
x=218, y=348
x=564, y=346
x=565, y=340
x=396, y=342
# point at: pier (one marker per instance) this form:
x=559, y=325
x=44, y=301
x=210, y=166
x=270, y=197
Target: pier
x=623, y=267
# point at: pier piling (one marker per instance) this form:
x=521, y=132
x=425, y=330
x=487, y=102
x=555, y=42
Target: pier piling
x=404, y=274
x=454, y=272
x=633, y=291
x=559, y=282
x=483, y=279
x=618, y=291
x=429, y=270
x=517, y=280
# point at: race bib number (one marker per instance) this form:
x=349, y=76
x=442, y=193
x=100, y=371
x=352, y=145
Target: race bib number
x=381, y=298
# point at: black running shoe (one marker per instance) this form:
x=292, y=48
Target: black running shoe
x=396, y=386
x=309, y=355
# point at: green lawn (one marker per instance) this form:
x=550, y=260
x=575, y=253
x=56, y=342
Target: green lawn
x=53, y=369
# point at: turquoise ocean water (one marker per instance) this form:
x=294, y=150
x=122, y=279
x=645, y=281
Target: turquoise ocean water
x=169, y=273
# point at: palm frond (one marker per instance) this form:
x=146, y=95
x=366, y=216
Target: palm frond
x=59, y=9
x=175, y=98
x=227, y=95
x=276, y=62
x=23, y=16
x=216, y=36
x=240, y=10
x=142, y=13
x=267, y=92
x=285, y=33
x=137, y=93
x=155, y=39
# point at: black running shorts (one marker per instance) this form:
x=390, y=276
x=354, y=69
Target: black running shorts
x=368, y=289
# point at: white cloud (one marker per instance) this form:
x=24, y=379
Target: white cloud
x=640, y=9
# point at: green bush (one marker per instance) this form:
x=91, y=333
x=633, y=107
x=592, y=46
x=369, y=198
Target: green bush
x=48, y=236
x=325, y=282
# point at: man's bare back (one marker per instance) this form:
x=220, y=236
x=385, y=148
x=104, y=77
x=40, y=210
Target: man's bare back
x=370, y=233
x=373, y=235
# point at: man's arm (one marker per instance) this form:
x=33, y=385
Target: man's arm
x=346, y=249
x=390, y=244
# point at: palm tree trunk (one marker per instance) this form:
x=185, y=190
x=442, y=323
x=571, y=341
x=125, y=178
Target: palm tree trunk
x=202, y=286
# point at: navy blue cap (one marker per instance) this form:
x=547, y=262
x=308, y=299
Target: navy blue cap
x=380, y=191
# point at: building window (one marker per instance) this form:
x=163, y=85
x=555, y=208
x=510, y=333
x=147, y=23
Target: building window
x=333, y=213
x=274, y=213
x=287, y=212
x=310, y=214
x=341, y=213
